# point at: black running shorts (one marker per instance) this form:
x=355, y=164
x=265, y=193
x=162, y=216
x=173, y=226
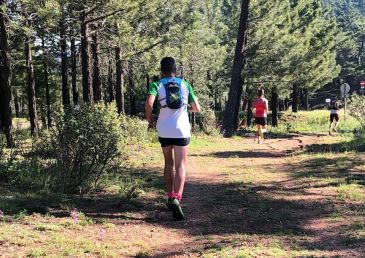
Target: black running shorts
x=334, y=117
x=261, y=121
x=174, y=141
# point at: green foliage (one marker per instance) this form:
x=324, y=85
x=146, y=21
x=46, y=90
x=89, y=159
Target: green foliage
x=357, y=109
x=134, y=131
x=352, y=192
x=291, y=42
x=316, y=121
x=208, y=122
x=84, y=144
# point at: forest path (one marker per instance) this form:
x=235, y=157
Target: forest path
x=258, y=200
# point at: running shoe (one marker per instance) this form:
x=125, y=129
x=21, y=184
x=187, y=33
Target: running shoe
x=177, y=212
x=169, y=204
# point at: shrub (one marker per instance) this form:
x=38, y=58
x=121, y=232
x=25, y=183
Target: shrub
x=84, y=144
x=357, y=109
x=208, y=121
x=134, y=131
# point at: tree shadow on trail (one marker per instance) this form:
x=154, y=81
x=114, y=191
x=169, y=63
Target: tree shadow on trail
x=243, y=154
x=229, y=208
x=341, y=169
x=277, y=135
x=97, y=205
x=357, y=144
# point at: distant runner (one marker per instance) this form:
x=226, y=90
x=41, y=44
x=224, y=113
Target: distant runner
x=261, y=107
x=176, y=97
x=333, y=116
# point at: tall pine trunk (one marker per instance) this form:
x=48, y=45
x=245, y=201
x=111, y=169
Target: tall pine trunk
x=132, y=91
x=248, y=106
x=75, y=90
x=46, y=84
x=235, y=91
x=5, y=87
x=16, y=103
x=119, y=92
x=111, y=90
x=274, y=107
x=96, y=79
x=295, y=97
x=249, y=112
x=64, y=73
x=306, y=99
x=87, y=90
x=32, y=105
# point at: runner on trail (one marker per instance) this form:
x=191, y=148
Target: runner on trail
x=333, y=116
x=176, y=97
x=261, y=107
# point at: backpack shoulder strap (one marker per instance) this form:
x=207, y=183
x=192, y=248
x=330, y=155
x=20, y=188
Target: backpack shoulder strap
x=162, y=85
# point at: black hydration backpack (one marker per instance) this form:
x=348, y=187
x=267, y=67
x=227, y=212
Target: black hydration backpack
x=174, y=98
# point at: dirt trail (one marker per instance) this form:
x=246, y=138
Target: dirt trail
x=225, y=209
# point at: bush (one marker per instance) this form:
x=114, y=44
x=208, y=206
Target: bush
x=134, y=131
x=357, y=109
x=84, y=144
x=208, y=122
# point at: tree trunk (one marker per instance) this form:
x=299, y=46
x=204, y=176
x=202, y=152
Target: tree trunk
x=306, y=99
x=64, y=73
x=235, y=91
x=16, y=104
x=119, y=92
x=5, y=87
x=286, y=103
x=32, y=105
x=132, y=91
x=75, y=90
x=110, y=79
x=46, y=84
x=274, y=107
x=295, y=97
x=249, y=112
x=95, y=49
x=87, y=90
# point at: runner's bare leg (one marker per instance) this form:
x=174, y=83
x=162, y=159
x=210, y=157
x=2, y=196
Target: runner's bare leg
x=181, y=153
x=259, y=133
x=169, y=168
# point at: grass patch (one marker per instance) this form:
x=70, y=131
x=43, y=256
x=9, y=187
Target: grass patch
x=37, y=252
x=316, y=121
x=353, y=192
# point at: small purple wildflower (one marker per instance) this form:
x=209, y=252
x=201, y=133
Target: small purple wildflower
x=75, y=215
x=102, y=233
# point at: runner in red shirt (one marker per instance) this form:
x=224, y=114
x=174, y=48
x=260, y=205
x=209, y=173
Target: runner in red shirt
x=261, y=108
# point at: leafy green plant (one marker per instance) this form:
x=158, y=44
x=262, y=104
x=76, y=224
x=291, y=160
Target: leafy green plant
x=357, y=109
x=208, y=122
x=84, y=144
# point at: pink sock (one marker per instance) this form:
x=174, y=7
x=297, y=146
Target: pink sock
x=178, y=196
x=170, y=195
x=174, y=195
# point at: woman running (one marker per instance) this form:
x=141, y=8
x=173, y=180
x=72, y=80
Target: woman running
x=261, y=107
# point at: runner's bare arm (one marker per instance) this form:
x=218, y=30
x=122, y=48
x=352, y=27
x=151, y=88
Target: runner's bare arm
x=194, y=107
x=267, y=106
x=148, y=108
